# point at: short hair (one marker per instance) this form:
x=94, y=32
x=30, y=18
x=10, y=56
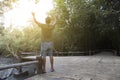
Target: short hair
x=48, y=19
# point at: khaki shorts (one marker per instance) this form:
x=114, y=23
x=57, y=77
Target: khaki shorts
x=46, y=49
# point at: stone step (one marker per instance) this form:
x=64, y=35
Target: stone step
x=86, y=78
x=61, y=78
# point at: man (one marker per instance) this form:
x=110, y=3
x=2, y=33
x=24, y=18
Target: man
x=46, y=41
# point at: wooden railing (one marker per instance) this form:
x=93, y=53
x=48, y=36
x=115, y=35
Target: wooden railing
x=32, y=58
x=74, y=53
x=38, y=63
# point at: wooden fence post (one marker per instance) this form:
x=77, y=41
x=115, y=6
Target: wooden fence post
x=39, y=64
x=20, y=60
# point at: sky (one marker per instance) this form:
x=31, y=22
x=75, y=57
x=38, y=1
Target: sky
x=21, y=13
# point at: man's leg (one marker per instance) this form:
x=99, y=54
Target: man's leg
x=44, y=64
x=43, y=54
x=50, y=53
x=52, y=63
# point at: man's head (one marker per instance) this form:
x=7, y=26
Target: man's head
x=48, y=20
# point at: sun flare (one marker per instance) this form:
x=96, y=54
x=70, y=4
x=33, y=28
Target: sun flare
x=21, y=13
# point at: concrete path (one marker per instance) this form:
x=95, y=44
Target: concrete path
x=98, y=67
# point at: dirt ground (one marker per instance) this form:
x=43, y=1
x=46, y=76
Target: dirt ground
x=103, y=66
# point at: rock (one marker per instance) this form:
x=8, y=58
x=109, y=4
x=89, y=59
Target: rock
x=1, y=79
x=25, y=73
x=6, y=73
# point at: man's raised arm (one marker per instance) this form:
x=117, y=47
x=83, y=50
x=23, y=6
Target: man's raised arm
x=38, y=23
x=55, y=17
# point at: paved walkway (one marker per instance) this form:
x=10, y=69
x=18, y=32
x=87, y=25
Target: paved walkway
x=98, y=67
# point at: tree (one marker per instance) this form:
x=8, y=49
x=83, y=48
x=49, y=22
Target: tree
x=89, y=24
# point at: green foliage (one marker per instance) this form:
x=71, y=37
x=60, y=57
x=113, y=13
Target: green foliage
x=81, y=25
x=74, y=19
x=15, y=40
x=88, y=24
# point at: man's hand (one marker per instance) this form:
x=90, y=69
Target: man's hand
x=55, y=16
x=55, y=19
x=33, y=14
